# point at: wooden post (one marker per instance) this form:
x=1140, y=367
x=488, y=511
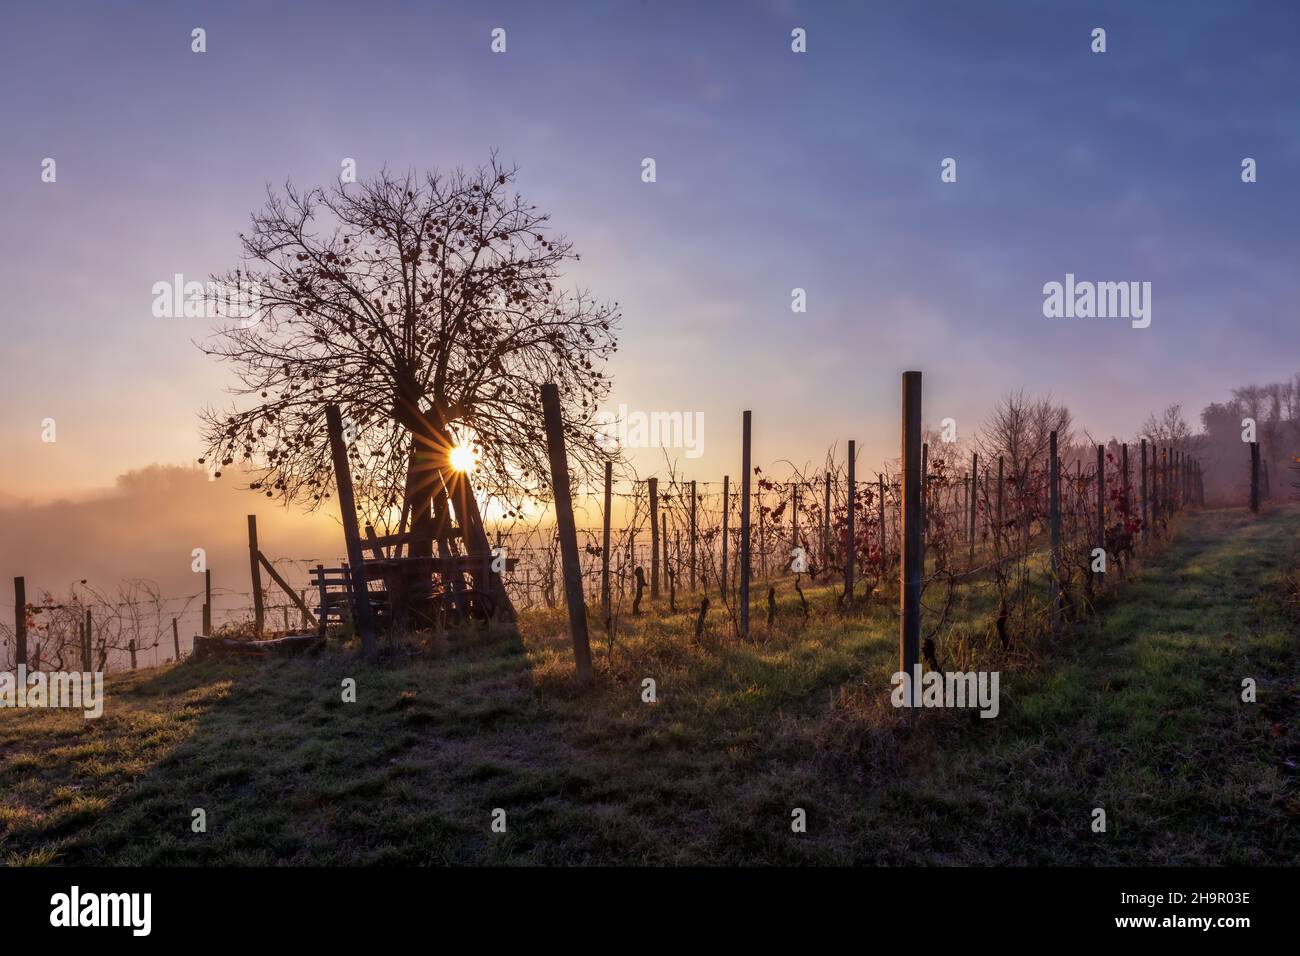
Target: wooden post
x=207, y=602
x=1173, y=480
x=998, y=531
x=974, y=498
x=20, y=621
x=1254, y=476
x=925, y=497
x=1128, y=502
x=351, y=533
x=654, y=537
x=1179, y=474
x=965, y=504
x=826, y=525
x=667, y=565
x=567, y=529
x=1142, y=470
x=1101, y=497
x=131, y=650
x=255, y=570
x=744, y=525
x=794, y=521
x=726, y=511
x=1168, y=482
x=1155, y=491
x=693, y=549
x=1054, y=499
x=604, y=548
x=176, y=642
x=909, y=545
x=321, y=592
x=924, y=492
x=850, y=537
x=87, y=642
x=1171, y=493
x=880, y=482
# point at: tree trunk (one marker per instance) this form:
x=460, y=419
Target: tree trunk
x=430, y=489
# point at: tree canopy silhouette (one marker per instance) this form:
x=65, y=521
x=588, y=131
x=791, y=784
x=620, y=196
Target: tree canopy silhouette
x=429, y=308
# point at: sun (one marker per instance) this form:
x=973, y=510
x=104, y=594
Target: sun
x=463, y=459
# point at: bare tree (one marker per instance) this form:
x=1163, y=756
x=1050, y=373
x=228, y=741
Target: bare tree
x=1019, y=430
x=1169, y=429
x=429, y=309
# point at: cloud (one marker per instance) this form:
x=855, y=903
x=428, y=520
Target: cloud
x=147, y=526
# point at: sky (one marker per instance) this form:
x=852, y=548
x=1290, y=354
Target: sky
x=775, y=170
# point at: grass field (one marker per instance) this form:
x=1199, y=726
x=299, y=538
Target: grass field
x=1138, y=712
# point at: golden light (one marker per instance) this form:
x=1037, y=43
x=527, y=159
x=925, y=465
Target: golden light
x=463, y=458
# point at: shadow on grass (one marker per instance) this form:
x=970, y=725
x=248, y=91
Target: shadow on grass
x=284, y=770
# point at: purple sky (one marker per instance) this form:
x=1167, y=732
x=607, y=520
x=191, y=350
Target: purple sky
x=775, y=170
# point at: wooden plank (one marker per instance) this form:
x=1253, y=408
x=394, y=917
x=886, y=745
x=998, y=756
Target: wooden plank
x=567, y=530
x=385, y=541
x=284, y=585
x=289, y=644
x=351, y=533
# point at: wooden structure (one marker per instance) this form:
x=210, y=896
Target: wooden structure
x=435, y=571
x=224, y=646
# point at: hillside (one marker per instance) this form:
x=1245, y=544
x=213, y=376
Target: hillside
x=1137, y=711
